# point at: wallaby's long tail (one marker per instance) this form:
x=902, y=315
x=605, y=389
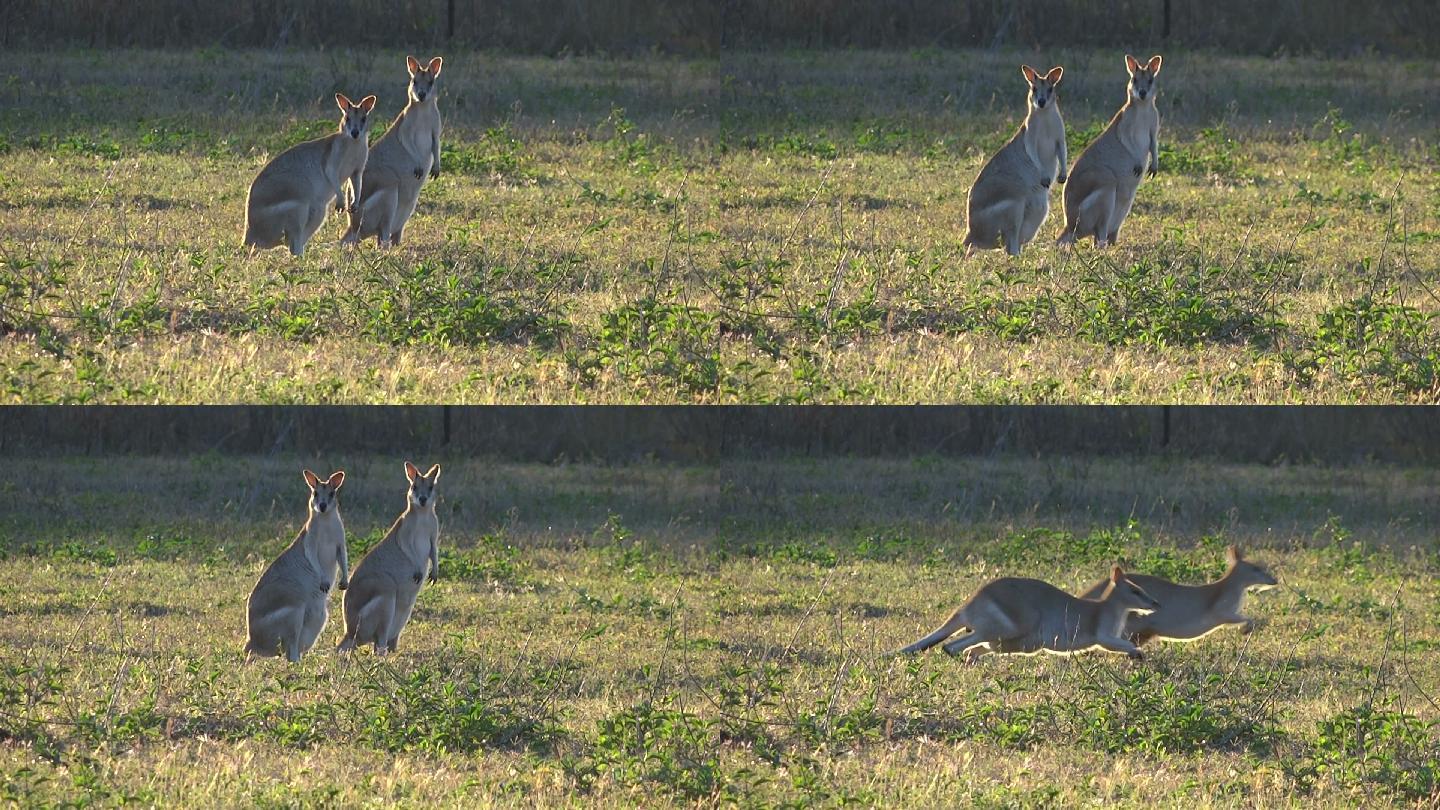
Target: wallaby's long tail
x=946, y=630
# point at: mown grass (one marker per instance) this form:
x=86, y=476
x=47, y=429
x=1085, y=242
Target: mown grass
x=656, y=635
x=761, y=227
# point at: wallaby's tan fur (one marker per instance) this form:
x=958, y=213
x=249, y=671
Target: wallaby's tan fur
x=1015, y=615
x=1189, y=612
x=1106, y=175
x=387, y=581
x=1011, y=196
x=407, y=154
x=289, y=198
x=291, y=601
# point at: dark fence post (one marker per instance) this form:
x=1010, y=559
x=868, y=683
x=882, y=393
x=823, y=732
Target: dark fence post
x=1165, y=21
x=450, y=22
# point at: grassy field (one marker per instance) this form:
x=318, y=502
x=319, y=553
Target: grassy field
x=706, y=635
x=761, y=228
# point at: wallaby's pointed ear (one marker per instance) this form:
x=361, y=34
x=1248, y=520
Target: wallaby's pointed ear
x=1131, y=64
x=435, y=66
x=1054, y=75
x=342, y=102
x=368, y=103
x=1154, y=65
x=1029, y=73
x=311, y=478
x=1232, y=554
x=411, y=472
x=1116, y=575
x=433, y=473
x=412, y=64
x=336, y=479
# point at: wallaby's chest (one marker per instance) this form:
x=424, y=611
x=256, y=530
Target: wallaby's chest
x=1136, y=127
x=416, y=133
x=323, y=538
x=415, y=534
x=1043, y=134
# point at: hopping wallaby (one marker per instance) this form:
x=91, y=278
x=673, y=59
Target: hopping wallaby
x=1193, y=611
x=289, y=197
x=291, y=601
x=1011, y=196
x=402, y=159
x=387, y=581
x=1103, y=183
x=1015, y=615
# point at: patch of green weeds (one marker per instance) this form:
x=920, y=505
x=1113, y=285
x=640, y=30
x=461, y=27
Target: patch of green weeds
x=498, y=152
x=651, y=745
x=491, y=560
x=1371, y=749
x=1372, y=338
x=456, y=707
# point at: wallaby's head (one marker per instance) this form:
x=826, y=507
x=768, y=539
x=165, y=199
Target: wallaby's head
x=1142, y=77
x=323, y=498
x=422, y=78
x=1124, y=591
x=422, y=487
x=1248, y=574
x=355, y=120
x=1042, y=88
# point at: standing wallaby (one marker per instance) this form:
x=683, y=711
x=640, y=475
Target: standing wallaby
x=288, y=199
x=1014, y=615
x=291, y=601
x=1193, y=611
x=1011, y=196
x=1106, y=175
x=402, y=159
x=387, y=581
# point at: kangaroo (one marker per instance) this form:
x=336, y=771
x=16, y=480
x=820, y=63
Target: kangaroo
x=1103, y=183
x=1011, y=196
x=291, y=601
x=387, y=580
x=1015, y=615
x=288, y=198
x=1193, y=611
x=400, y=162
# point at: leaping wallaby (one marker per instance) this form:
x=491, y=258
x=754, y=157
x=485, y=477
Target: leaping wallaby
x=402, y=159
x=1011, y=196
x=1193, y=611
x=1106, y=175
x=1016, y=615
x=387, y=581
x=291, y=601
x=289, y=197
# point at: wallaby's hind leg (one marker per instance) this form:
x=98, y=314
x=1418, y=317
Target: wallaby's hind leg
x=305, y=228
x=1035, y=212
x=963, y=643
x=1094, y=214
x=315, y=619
x=372, y=622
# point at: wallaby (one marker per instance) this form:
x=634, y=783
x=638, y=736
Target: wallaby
x=1015, y=615
x=1011, y=196
x=291, y=601
x=1103, y=183
x=1193, y=611
x=289, y=197
x=405, y=155
x=387, y=581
